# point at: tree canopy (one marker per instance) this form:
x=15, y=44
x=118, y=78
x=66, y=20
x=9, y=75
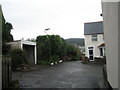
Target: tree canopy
x=52, y=47
x=6, y=32
x=6, y=36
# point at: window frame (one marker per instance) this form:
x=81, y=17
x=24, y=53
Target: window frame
x=94, y=38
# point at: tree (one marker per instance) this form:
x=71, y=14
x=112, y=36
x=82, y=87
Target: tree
x=6, y=36
x=63, y=51
x=6, y=33
x=73, y=53
x=53, y=48
x=56, y=44
x=49, y=47
x=43, y=48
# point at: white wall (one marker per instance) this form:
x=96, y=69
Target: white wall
x=15, y=45
x=95, y=44
x=111, y=32
x=0, y=48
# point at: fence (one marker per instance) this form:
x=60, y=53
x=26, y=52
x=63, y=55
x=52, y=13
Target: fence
x=6, y=72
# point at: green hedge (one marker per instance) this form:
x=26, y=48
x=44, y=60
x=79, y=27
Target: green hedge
x=54, y=58
x=52, y=48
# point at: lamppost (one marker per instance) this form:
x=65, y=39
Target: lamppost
x=46, y=30
x=49, y=40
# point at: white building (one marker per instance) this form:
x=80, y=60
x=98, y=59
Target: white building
x=29, y=47
x=111, y=22
x=94, y=40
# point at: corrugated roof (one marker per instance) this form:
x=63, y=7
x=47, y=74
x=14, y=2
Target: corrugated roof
x=93, y=28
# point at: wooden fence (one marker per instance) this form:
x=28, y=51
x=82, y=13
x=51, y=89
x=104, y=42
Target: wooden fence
x=6, y=72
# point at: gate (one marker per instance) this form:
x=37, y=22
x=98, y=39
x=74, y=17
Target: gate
x=6, y=72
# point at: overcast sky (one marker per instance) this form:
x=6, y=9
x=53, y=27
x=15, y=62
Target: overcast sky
x=64, y=17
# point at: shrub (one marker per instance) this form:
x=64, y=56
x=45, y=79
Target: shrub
x=54, y=58
x=18, y=57
x=43, y=48
x=5, y=49
x=43, y=62
x=73, y=53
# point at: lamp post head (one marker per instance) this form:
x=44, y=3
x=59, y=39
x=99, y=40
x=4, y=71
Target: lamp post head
x=101, y=15
x=47, y=29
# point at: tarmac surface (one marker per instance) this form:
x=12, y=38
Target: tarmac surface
x=72, y=74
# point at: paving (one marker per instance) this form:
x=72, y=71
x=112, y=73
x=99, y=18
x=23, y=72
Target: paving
x=71, y=74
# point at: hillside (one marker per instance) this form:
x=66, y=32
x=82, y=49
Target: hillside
x=77, y=41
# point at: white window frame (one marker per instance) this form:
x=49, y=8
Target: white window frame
x=94, y=38
x=103, y=51
x=93, y=51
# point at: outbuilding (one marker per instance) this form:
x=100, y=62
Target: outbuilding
x=29, y=47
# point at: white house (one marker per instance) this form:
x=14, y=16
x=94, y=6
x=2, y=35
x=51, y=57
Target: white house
x=29, y=47
x=94, y=40
x=111, y=22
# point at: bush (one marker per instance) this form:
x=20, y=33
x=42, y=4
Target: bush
x=52, y=48
x=18, y=57
x=73, y=53
x=50, y=45
x=54, y=58
x=43, y=62
x=5, y=49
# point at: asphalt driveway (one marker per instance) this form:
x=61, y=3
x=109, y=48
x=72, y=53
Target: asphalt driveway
x=71, y=74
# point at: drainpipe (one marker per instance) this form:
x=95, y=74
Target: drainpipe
x=35, y=54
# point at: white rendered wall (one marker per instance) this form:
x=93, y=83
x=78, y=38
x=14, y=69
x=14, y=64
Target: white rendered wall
x=15, y=45
x=95, y=44
x=111, y=23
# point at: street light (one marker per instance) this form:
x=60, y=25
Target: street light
x=46, y=30
x=49, y=39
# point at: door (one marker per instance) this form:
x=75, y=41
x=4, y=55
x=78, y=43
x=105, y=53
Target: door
x=91, y=53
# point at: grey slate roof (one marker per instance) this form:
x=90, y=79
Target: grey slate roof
x=93, y=28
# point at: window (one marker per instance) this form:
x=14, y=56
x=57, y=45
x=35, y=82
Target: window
x=101, y=52
x=94, y=37
x=91, y=53
x=90, y=47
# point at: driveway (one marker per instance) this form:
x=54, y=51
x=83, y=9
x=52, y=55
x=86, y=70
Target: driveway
x=71, y=74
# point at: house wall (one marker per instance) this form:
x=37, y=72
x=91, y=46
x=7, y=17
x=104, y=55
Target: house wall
x=111, y=21
x=0, y=48
x=89, y=42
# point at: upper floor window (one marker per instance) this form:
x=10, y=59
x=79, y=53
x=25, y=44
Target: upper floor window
x=94, y=37
x=90, y=47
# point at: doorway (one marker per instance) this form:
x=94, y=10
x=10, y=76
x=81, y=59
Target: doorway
x=91, y=53
x=29, y=53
